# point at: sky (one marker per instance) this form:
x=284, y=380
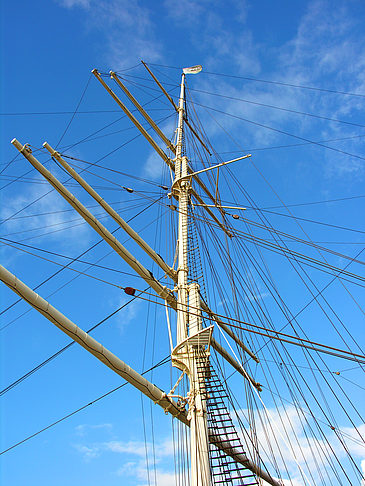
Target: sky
x=276, y=77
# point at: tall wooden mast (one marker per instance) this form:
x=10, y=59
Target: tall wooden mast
x=182, y=190
x=185, y=357
x=192, y=340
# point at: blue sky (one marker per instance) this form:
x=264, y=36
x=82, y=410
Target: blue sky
x=48, y=51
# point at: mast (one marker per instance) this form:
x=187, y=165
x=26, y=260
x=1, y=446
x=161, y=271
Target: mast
x=197, y=409
x=182, y=193
x=199, y=441
x=192, y=351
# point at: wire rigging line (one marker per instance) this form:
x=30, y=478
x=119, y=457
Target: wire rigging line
x=342, y=283
x=301, y=341
x=265, y=105
x=74, y=260
x=80, y=222
x=71, y=184
x=288, y=235
x=75, y=144
x=51, y=190
x=65, y=130
x=90, y=164
x=282, y=146
x=290, y=377
x=310, y=413
x=302, y=271
x=269, y=414
x=278, y=108
x=88, y=137
x=278, y=130
x=319, y=370
x=322, y=256
x=298, y=407
x=297, y=239
x=280, y=83
x=160, y=363
x=273, y=147
x=46, y=213
x=60, y=351
x=69, y=268
x=288, y=252
x=288, y=145
x=74, y=113
x=142, y=179
x=91, y=264
x=307, y=203
x=6, y=165
x=313, y=299
x=79, y=112
x=292, y=317
x=271, y=246
x=314, y=222
x=8, y=243
x=335, y=277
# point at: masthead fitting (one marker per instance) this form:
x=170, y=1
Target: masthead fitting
x=193, y=69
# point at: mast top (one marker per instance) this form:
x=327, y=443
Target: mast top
x=193, y=69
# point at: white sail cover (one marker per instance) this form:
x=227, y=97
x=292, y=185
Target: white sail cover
x=193, y=69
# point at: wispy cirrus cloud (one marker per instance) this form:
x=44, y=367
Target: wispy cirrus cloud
x=327, y=50
x=83, y=429
x=127, y=31
x=134, y=454
x=154, y=166
x=298, y=453
x=74, y=3
x=128, y=313
x=47, y=217
x=288, y=434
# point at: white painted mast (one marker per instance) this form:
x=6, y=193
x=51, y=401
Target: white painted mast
x=122, y=369
x=193, y=342
x=183, y=196
x=186, y=357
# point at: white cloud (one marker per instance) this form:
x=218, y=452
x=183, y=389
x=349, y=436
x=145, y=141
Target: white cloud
x=128, y=468
x=139, y=472
x=83, y=429
x=163, y=478
x=128, y=314
x=310, y=452
x=75, y=3
x=242, y=7
x=129, y=33
x=355, y=446
x=48, y=217
x=187, y=11
x=328, y=50
x=88, y=453
x=161, y=449
x=136, y=468
x=214, y=38
x=256, y=297
x=288, y=435
x=134, y=448
x=153, y=167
